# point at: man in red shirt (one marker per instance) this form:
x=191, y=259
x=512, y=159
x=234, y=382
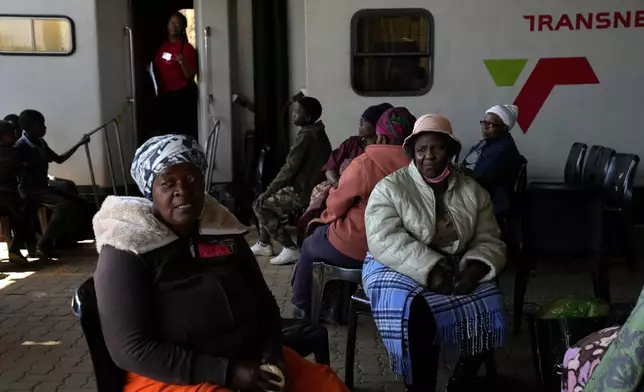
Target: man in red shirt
x=175, y=68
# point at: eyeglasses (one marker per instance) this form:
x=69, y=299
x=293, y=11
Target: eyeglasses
x=487, y=124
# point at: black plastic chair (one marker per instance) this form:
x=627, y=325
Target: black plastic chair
x=618, y=204
x=575, y=164
x=304, y=338
x=324, y=273
x=360, y=306
x=560, y=221
x=510, y=221
x=596, y=167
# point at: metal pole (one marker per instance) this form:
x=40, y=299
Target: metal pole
x=120, y=151
x=91, y=173
x=209, y=154
x=110, y=164
x=213, y=140
x=133, y=92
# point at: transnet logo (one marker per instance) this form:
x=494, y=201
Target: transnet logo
x=548, y=73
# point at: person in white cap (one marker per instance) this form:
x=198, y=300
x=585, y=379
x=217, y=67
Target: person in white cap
x=495, y=161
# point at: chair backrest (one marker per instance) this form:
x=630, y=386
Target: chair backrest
x=618, y=185
x=522, y=180
x=518, y=188
x=109, y=377
x=596, y=167
x=575, y=164
x=562, y=222
x=259, y=171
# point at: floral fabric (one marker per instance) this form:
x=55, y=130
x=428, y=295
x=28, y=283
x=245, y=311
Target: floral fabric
x=583, y=358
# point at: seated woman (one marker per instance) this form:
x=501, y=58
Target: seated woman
x=495, y=160
x=434, y=249
x=609, y=360
x=338, y=162
x=182, y=301
x=341, y=241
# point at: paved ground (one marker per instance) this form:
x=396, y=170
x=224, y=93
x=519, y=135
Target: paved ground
x=42, y=347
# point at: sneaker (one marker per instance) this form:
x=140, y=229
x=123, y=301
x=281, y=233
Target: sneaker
x=286, y=256
x=260, y=249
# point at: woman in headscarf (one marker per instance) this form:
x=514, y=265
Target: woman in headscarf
x=341, y=240
x=338, y=162
x=435, y=249
x=183, y=304
x=495, y=161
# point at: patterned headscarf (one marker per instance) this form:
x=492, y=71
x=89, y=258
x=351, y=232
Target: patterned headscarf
x=161, y=152
x=396, y=124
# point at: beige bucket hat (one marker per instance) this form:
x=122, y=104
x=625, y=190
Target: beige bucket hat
x=432, y=123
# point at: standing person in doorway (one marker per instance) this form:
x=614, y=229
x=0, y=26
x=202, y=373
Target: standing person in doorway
x=175, y=68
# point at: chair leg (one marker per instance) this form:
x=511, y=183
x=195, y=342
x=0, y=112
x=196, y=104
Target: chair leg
x=322, y=352
x=627, y=244
x=601, y=283
x=348, y=289
x=351, y=346
x=317, y=290
x=520, y=287
x=42, y=219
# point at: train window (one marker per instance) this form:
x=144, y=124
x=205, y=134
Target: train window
x=391, y=52
x=36, y=35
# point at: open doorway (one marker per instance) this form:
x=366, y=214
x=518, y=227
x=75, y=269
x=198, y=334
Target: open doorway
x=150, y=27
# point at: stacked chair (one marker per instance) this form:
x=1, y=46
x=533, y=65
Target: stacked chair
x=585, y=217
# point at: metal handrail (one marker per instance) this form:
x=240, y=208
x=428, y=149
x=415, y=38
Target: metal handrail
x=106, y=142
x=212, y=143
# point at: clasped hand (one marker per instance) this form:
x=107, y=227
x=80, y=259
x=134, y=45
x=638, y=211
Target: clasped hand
x=247, y=376
x=444, y=279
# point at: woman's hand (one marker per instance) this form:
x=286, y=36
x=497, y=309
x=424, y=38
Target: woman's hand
x=246, y=375
x=179, y=58
x=275, y=357
x=333, y=177
x=470, y=277
x=441, y=278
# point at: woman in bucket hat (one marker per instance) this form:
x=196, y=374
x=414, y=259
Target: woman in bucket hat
x=435, y=250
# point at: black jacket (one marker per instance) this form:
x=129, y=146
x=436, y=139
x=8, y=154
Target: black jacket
x=309, y=153
x=177, y=310
x=497, y=168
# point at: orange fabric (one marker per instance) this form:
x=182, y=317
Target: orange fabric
x=346, y=204
x=304, y=376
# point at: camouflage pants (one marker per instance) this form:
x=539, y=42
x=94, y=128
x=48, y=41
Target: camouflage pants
x=271, y=212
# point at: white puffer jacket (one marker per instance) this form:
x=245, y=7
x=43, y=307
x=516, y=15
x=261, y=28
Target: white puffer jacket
x=400, y=224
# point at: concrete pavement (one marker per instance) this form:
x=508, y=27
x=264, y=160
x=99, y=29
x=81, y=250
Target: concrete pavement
x=42, y=348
